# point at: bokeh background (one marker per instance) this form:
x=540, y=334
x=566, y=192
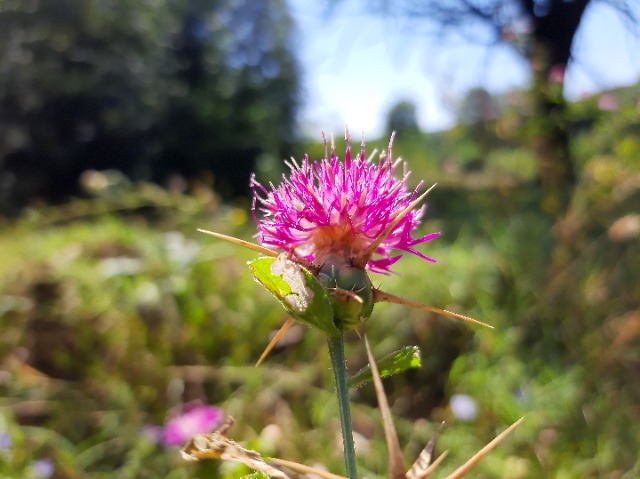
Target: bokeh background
x=125, y=125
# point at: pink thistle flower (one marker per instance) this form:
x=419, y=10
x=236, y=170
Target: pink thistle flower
x=195, y=419
x=331, y=207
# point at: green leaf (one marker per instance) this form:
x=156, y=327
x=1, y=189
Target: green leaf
x=394, y=363
x=299, y=292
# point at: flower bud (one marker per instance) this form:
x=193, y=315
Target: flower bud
x=349, y=289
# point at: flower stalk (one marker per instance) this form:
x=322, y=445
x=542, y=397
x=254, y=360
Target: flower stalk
x=339, y=366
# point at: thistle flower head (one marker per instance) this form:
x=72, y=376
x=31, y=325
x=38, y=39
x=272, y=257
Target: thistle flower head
x=356, y=209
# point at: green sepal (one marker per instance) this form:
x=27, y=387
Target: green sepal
x=349, y=290
x=256, y=475
x=393, y=363
x=299, y=292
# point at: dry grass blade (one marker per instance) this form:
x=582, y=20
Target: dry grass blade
x=427, y=472
x=366, y=255
x=381, y=296
x=285, y=327
x=467, y=466
x=302, y=469
x=218, y=446
x=396, y=462
x=422, y=463
x=238, y=241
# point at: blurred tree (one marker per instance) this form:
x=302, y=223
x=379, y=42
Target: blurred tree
x=242, y=80
x=402, y=118
x=543, y=32
x=477, y=106
x=81, y=86
x=150, y=88
x=478, y=111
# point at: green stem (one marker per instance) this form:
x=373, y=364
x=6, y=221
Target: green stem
x=336, y=351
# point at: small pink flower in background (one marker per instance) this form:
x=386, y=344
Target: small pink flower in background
x=195, y=419
x=556, y=74
x=608, y=102
x=340, y=207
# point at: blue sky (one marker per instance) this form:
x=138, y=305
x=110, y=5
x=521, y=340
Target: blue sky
x=357, y=66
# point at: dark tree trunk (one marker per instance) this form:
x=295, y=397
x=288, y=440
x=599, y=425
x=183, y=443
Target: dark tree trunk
x=554, y=29
x=551, y=140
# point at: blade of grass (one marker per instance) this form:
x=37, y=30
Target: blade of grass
x=427, y=472
x=302, y=469
x=423, y=463
x=470, y=464
x=396, y=461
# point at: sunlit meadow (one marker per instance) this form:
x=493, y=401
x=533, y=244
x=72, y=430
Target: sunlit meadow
x=118, y=318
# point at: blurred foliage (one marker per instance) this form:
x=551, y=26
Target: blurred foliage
x=154, y=89
x=115, y=313
x=402, y=118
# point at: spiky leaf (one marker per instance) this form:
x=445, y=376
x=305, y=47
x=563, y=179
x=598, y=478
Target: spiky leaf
x=394, y=363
